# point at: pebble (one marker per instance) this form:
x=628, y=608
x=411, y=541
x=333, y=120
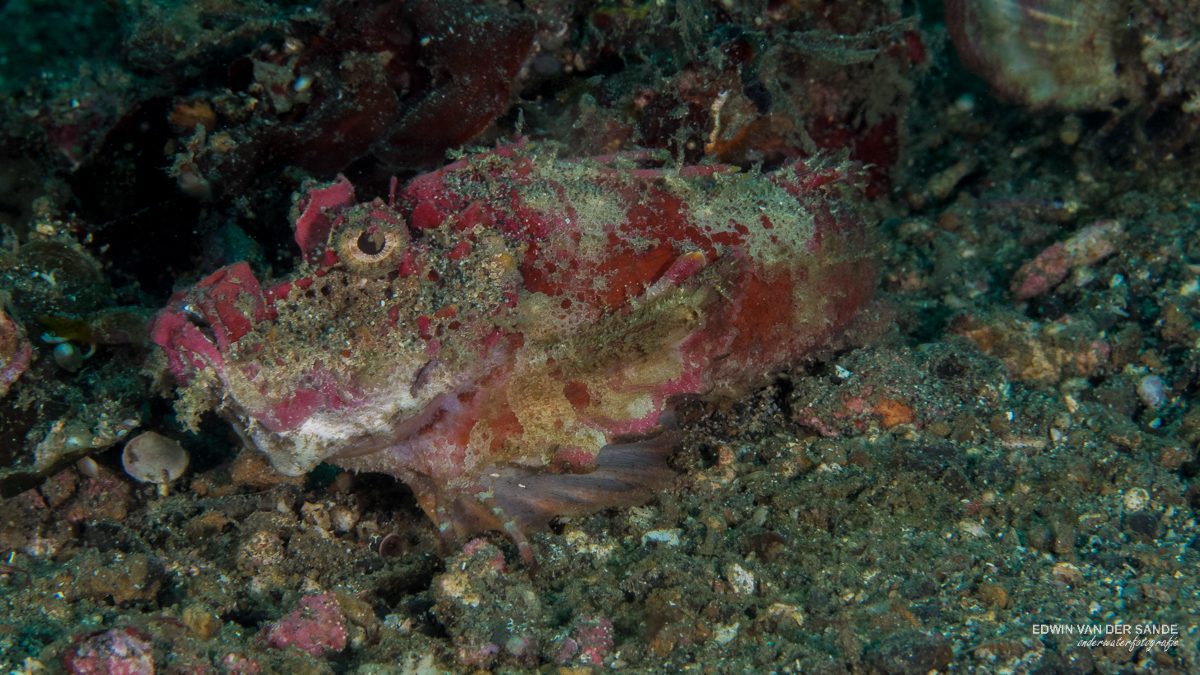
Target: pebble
x=994, y=595
x=909, y=652
x=117, y=650
x=1087, y=246
x=1067, y=574
x=662, y=537
x=343, y=518
x=1136, y=499
x=1153, y=391
x=316, y=626
x=201, y=621
x=740, y=579
x=260, y=549
x=786, y=614
x=726, y=633
x=1143, y=524
x=317, y=515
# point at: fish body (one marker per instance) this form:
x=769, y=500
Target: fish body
x=507, y=334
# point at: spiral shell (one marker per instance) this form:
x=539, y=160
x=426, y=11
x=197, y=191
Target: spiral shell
x=1046, y=54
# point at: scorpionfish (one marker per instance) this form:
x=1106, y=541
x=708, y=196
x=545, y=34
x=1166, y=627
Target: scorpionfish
x=507, y=334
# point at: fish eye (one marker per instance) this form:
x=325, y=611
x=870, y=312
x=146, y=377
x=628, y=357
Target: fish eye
x=197, y=319
x=371, y=242
x=370, y=249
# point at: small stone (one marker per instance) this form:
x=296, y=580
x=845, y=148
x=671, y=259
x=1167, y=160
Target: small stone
x=1174, y=457
x=317, y=515
x=740, y=579
x=973, y=528
x=1071, y=130
x=943, y=183
x=201, y=621
x=1143, y=524
x=1135, y=499
x=88, y=467
x=1093, y=243
x=910, y=652
x=316, y=627
x=1042, y=273
x=893, y=413
x=343, y=518
x=119, y=650
x=68, y=357
x=726, y=633
x=122, y=579
x=1087, y=246
x=662, y=537
x=994, y=595
x=725, y=456
x=785, y=614
x=261, y=549
x=1153, y=391
x=1067, y=574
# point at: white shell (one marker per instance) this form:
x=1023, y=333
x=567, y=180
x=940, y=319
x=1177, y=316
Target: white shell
x=153, y=458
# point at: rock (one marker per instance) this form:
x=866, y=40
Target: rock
x=910, y=652
x=489, y=610
x=15, y=352
x=589, y=641
x=201, y=621
x=123, y=579
x=1084, y=248
x=119, y=650
x=317, y=627
x=1143, y=525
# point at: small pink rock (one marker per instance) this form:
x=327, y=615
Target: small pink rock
x=478, y=657
x=15, y=352
x=590, y=640
x=118, y=651
x=1042, y=273
x=316, y=626
x=1085, y=247
x=1093, y=243
x=238, y=664
x=486, y=549
x=103, y=497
